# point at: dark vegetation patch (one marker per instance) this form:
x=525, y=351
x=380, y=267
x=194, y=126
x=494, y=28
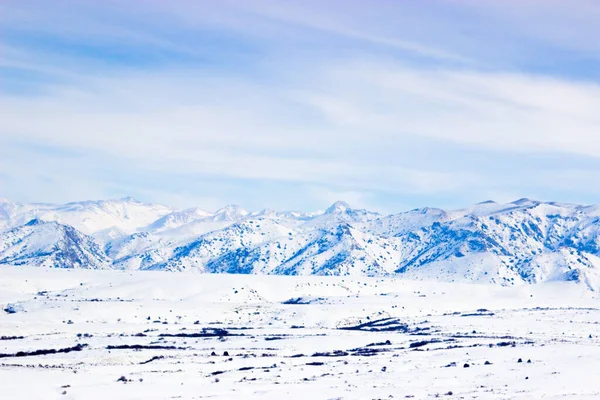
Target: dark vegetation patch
x=11, y=337
x=143, y=347
x=505, y=344
x=561, y=309
x=458, y=346
x=12, y=308
x=478, y=314
x=452, y=364
x=152, y=359
x=386, y=343
x=106, y=300
x=422, y=331
x=335, y=353
x=380, y=325
x=511, y=343
x=303, y=300
x=43, y=352
x=357, y=352
x=422, y=343
x=366, y=351
x=455, y=346
x=476, y=336
x=206, y=332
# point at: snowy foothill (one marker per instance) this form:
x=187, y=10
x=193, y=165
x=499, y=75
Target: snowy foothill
x=98, y=334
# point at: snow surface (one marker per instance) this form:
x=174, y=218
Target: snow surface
x=285, y=337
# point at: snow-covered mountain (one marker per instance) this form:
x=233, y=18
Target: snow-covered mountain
x=51, y=244
x=125, y=215
x=525, y=241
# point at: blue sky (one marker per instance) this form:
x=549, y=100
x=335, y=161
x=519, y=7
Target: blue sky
x=388, y=105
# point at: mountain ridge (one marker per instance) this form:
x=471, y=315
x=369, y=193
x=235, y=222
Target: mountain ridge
x=522, y=242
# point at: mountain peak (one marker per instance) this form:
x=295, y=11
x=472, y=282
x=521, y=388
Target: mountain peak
x=129, y=199
x=525, y=201
x=268, y=212
x=338, y=207
x=231, y=208
x=34, y=222
x=231, y=213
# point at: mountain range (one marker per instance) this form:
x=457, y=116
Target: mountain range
x=525, y=241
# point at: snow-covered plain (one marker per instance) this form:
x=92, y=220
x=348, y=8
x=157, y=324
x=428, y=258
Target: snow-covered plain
x=283, y=337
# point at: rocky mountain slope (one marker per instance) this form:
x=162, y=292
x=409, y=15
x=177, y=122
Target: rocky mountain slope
x=51, y=244
x=525, y=241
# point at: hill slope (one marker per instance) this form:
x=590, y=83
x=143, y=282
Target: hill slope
x=51, y=244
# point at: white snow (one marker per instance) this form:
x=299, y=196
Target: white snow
x=552, y=324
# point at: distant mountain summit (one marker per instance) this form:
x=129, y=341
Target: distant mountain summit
x=338, y=207
x=522, y=242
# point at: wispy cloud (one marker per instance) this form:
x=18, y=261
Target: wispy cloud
x=358, y=102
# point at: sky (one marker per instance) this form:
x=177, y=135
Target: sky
x=387, y=104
